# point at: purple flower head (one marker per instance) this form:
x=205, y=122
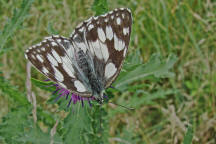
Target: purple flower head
x=73, y=98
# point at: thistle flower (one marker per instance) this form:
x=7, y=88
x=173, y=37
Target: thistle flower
x=73, y=98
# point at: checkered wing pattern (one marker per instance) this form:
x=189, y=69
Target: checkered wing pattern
x=106, y=38
x=94, y=53
x=53, y=57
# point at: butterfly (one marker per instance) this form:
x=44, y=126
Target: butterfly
x=89, y=61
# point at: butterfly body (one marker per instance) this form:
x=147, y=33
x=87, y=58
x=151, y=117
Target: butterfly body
x=89, y=60
x=92, y=80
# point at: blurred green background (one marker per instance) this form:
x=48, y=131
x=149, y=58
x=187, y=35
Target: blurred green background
x=169, y=76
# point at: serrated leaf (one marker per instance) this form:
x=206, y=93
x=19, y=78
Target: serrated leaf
x=75, y=124
x=35, y=135
x=14, y=123
x=155, y=67
x=45, y=85
x=12, y=92
x=18, y=18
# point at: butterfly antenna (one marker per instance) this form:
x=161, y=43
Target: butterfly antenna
x=128, y=108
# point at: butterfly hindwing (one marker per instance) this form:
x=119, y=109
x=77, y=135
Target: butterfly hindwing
x=53, y=58
x=106, y=38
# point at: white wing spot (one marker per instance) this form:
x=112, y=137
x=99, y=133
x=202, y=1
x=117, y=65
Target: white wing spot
x=44, y=41
x=123, y=15
x=74, y=36
x=43, y=49
x=97, y=49
x=44, y=70
x=95, y=18
x=56, y=56
x=53, y=44
x=118, y=21
x=101, y=34
x=126, y=31
x=129, y=10
x=106, y=19
x=49, y=37
x=109, y=32
x=89, y=20
x=70, y=51
x=33, y=56
x=38, y=44
x=52, y=60
x=27, y=50
x=112, y=17
x=66, y=41
x=90, y=27
x=58, y=75
x=79, y=25
x=91, y=48
x=26, y=56
x=125, y=51
x=63, y=85
x=81, y=45
x=118, y=43
x=79, y=86
x=67, y=66
x=110, y=70
x=104, y=15
x=59, y=40
x=81, y=29
x=39, y=58
x=56, y=36
x=104, y=51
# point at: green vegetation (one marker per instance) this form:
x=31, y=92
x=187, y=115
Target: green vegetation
x=169, y=76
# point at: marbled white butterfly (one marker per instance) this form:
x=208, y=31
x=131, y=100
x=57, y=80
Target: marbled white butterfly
x=89, y=60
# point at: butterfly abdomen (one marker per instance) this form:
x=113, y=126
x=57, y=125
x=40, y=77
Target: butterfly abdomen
x=83, y=63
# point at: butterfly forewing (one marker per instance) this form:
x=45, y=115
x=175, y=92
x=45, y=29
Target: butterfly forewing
x=106, y=38
x=53, y=57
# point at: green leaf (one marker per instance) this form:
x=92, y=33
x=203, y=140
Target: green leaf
x=189, y=136
x=12, y=92
x=18, y=127
x=35, y=135
x=14, y=124
x=98, y=132
x=141, y=97
x=100, y=7
x=45, y=85
x=155, y=67
x=76, y=123
x=18, y=18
